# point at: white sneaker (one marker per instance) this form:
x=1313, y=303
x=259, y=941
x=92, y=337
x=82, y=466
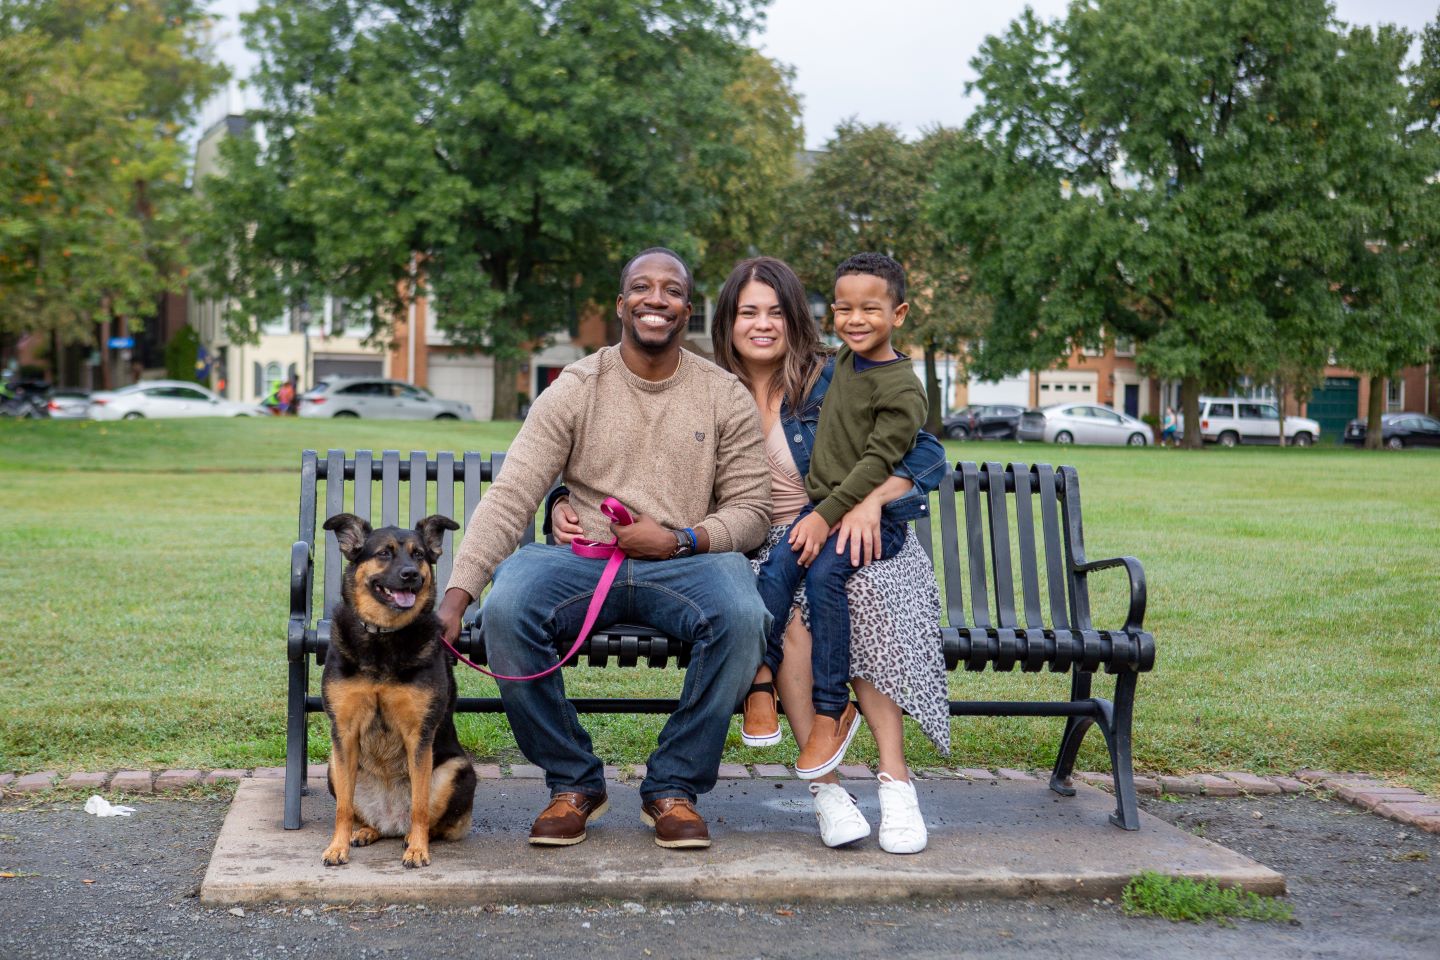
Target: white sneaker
x=840, y=820
x=902, y=829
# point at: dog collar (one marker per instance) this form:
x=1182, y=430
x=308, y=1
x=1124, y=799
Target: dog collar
x=371, y=629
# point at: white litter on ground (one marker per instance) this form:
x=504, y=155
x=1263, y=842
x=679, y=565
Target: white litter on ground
x=101, y=807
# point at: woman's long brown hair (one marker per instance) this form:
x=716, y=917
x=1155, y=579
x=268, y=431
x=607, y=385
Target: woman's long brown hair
x=804, y=354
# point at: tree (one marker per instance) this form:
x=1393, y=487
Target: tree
x=1167, y=170
x=94, y=95
x=1388, y=279
x=868, y=191
x=502, y=156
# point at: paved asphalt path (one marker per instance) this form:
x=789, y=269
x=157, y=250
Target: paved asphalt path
x=1361, y=887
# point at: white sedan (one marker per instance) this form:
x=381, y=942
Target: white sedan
x=1084, y=423
x=166, y=399
x=379, y=398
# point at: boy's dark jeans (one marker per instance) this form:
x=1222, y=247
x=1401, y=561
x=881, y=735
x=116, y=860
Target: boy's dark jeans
x=825, y=584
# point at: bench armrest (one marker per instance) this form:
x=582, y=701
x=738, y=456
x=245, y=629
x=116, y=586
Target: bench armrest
x=302, y=580
x=1135, y=619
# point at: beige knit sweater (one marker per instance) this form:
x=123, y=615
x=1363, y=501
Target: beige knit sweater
x=686, y=451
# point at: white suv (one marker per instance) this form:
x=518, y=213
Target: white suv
x=1234, y=420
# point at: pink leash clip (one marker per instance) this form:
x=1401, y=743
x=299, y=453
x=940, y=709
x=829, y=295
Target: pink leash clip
x=613, y=556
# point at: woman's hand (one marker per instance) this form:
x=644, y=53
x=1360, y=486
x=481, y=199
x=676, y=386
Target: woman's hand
x=860, y=529
x=564, y=522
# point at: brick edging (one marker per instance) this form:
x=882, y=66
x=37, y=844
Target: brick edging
x=1401, y=804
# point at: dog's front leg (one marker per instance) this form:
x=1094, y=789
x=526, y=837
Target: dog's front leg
x=351, y=715
x=422, y=766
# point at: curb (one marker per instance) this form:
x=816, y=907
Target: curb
x=1363, y=790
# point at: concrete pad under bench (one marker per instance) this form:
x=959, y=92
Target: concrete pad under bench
x=996, y=838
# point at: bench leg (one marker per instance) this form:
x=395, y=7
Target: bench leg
x=296, y=753
x=1118, y=739
x=1075, y=728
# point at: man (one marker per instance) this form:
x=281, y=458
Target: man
x=677, y=440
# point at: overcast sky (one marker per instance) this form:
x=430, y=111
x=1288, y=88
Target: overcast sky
x=903, y=62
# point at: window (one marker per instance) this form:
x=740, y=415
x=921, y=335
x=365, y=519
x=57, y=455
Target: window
x=1124, y=346
x=1218, y=410
x=1105, y=416
x=1259, y=411
x=187, y=393
x=364, y=390
x=699, y=323
x=1429, y=425
x=274, y=376
x=1394, y=395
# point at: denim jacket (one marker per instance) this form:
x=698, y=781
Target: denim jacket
x=924, y=464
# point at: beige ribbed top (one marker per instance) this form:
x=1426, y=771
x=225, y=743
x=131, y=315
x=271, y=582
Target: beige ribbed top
x=686, y=451
x=787, y=487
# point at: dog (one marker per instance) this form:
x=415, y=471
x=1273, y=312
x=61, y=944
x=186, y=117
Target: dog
x=396, y=764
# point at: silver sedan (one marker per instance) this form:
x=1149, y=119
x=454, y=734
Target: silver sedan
x=164, y=399
x=379, y=399
x=1084, y=423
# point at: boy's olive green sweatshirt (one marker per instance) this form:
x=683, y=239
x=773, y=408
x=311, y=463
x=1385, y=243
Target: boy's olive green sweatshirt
x=867, y=425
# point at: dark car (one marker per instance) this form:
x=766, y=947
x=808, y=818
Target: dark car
x=985, y=421
x=1398, y=430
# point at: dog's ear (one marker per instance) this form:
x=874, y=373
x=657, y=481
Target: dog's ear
x=432, y=533
x=351, y=532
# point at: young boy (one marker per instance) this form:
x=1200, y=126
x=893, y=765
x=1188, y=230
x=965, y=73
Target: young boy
x=871, y=413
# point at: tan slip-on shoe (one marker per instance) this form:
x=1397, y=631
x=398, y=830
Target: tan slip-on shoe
x=829, y=739
x=760, y=723
x=678, y=825
x=563, y=822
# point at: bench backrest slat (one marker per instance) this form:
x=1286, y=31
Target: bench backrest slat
x=1000, y=563
x=389, y=488
x=949, y=563
x=1075, y=549
x=334, y=503
x=363, y=482
x=309, y=470
x=1054, y=557
x=1029, y=559
x=445, y=504
x=418, y=486
x=975, y=545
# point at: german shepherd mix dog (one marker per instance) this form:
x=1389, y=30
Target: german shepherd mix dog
x=396, y=764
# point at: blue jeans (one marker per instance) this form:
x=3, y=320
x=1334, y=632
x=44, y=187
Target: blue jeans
x=825, y=590
x=541, y=593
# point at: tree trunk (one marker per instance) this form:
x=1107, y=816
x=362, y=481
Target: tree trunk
x=507, y=400
x=1190, y=409
x=1280, y=405
x=612, y=328
x=932, y=392
x=1373, y=429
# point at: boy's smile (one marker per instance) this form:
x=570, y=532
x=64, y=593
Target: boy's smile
x=865, y=316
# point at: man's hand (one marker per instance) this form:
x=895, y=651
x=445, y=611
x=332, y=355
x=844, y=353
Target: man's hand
x=808, y=538
x=564, y=522
x=860, y=528
x=452, y=609
x=644, y=539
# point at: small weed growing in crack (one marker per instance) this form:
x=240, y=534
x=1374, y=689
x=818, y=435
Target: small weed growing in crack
x=1180, y=898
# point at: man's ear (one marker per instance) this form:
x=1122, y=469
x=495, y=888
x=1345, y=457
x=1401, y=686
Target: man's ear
x=351, y=532
x=432, y=533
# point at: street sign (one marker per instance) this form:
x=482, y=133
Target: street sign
x=122, y=343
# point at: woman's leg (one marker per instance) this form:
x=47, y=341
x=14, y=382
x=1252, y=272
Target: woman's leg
x=883, y=716
x=794, y=683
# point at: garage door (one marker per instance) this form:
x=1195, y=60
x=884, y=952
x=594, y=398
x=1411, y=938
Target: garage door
x=467, y=378
x=347, y=367
x=1333, y=405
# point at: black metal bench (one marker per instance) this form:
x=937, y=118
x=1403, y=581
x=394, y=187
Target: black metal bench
x=986, y=632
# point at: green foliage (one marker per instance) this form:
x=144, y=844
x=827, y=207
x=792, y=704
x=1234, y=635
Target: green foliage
x=1181, y=898
x=182, y=354
x=868, y=191
x=93, y=205
x=506, y=156
x=1195, y=175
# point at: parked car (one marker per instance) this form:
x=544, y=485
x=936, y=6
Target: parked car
x=1229, y=421
x=68, y=403
x=1398, y=430
x=378, y=398
x=1084, y=423
x=994, y=421
x=165, y=399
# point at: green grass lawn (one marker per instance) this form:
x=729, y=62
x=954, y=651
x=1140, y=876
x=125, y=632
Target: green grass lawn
x=1292, y=596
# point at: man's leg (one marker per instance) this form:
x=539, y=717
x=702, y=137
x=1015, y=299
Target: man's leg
x=711, y=601
x=539, y=594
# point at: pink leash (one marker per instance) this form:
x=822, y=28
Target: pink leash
x=613, y=556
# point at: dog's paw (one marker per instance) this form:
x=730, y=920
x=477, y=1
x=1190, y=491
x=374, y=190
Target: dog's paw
x=336, y=854
x=364, y=836
x=416, y=856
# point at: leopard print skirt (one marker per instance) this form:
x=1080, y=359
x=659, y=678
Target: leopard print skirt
x=894, y=632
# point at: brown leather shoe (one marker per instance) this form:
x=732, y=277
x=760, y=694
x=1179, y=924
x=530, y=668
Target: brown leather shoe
x=678, y=825
x=562, y=823
x=829, y=739
x=760, y=726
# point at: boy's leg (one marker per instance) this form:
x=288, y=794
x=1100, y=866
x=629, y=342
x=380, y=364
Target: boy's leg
x=777, y=581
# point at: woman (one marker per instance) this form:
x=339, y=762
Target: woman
x=764, y=334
